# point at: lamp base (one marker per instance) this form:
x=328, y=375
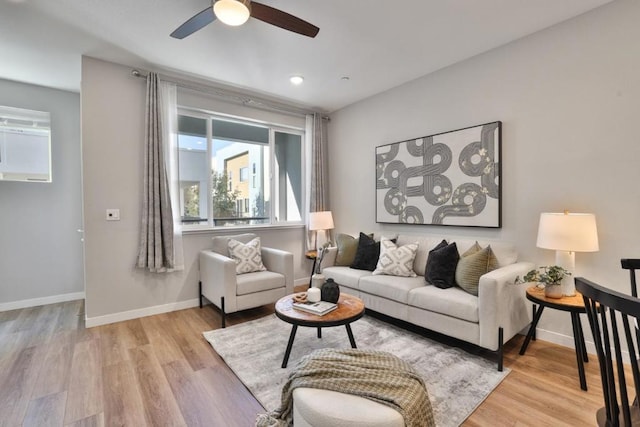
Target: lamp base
x=322, y=237
x=567, y=260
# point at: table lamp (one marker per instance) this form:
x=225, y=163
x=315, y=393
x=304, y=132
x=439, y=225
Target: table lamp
x=320, y=222
x=568, y=233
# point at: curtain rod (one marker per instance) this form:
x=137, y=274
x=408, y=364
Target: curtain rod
x=235, y=97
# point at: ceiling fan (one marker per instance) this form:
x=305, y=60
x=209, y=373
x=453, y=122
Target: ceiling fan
x=237, y=12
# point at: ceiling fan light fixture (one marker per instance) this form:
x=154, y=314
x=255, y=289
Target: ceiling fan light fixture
x=232, y=12
x=296, y=80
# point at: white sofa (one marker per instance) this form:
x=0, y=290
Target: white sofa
x=498, y=313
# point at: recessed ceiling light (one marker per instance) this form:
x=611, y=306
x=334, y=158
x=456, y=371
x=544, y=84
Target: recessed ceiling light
x=296, y=80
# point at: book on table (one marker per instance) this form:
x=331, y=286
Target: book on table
x=320, y=308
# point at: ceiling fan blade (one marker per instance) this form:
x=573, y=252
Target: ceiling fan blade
x=193, y=24
x=282, y=19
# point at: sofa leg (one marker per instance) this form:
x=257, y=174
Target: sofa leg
x=200, y=292
x=500, y=351
x=224, y=319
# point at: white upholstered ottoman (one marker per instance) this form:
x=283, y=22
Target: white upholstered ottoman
x=314, y=407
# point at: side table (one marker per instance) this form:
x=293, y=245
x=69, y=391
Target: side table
x=312, y=254
x=575, y=306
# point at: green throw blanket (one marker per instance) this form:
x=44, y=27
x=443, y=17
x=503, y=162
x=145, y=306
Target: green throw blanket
x=375, y=375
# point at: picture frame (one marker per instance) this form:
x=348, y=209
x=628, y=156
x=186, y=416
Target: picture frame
x=450, y=179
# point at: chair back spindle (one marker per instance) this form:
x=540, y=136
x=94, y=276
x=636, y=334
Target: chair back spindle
x=632, y=265
x=610, y=312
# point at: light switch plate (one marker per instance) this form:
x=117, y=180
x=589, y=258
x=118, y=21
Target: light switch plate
x=113, y=214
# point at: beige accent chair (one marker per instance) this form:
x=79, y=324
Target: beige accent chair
x=232, y=292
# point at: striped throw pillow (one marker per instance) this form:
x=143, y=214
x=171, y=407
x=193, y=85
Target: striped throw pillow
x=474, y=265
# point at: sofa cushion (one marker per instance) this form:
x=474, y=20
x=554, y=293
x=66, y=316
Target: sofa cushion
x=250, y=283
x=441, y=266
x=471, y=267
x=367, y=253
x=472, y=250
x=453, y=302
x=506, y=253
x=440, y=245
x=394, y=260
x=248, y=257
x=220, y=244
x=425, y=244
x=347, y=248
x=391, y=287
x=345, y=276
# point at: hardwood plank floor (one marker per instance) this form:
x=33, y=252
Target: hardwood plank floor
x=160, y=371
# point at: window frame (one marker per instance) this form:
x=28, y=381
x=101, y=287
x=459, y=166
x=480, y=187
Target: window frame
x=25, y=121
x=209, y=117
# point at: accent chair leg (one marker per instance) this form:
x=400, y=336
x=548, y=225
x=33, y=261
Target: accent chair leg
x=500, y=348
x=224, y=317
x=200, y=292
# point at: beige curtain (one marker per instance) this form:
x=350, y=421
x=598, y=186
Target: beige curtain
x=156, y=251
x=318, y=178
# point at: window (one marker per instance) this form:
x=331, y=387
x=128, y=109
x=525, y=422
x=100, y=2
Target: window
x=25, y=145
x=217, y=158
x=190, y=201
x=244, y=174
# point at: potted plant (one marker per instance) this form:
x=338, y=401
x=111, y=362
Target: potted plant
x=317, y=279
x=550, y=276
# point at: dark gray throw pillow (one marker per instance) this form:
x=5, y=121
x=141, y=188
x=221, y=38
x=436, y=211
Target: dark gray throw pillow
x=441, y=265
x=367, y=253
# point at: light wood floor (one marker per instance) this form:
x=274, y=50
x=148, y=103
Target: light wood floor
x=160, y=371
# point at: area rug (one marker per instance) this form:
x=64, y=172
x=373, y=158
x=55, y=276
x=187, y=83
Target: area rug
x=457, y=382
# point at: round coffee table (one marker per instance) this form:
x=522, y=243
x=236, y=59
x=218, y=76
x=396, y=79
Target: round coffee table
x=349, y=310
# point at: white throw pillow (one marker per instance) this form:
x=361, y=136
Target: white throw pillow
x=396, y=261
x=248, y=257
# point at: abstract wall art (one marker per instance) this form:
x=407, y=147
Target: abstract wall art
x=451, y=178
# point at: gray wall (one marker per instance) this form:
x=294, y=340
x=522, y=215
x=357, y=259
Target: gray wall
x=40, y=249
x=569, y=100
x=112, y=138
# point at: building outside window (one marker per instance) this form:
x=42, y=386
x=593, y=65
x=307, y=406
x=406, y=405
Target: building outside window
x=216, y=155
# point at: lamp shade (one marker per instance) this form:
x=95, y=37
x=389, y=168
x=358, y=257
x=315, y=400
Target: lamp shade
x=573, y=232
x=320, y=220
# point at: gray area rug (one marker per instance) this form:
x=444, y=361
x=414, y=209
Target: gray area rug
x=457, y=382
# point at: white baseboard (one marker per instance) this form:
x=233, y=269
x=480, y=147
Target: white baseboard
x=563, y=340
x=34, y=302
x=303, y=281
x=567, y=341
x=141, y=312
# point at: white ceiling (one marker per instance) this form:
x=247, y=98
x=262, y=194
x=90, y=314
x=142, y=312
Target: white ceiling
x=377, y=44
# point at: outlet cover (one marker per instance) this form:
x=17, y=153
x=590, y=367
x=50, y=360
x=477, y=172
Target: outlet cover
x=113, y=214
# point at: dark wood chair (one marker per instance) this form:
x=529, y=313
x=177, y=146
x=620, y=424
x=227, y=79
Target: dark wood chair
x=632, y=265
x=611, y=313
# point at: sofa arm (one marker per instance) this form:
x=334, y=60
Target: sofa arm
x=281, y=262
x=502, y=303
x=218, y=277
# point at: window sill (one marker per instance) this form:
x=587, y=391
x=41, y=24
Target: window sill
x=240, y=229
